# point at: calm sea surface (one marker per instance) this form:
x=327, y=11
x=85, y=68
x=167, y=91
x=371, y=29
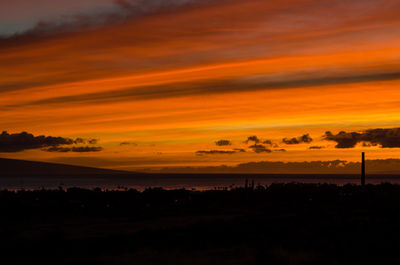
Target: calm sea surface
x=198, y=182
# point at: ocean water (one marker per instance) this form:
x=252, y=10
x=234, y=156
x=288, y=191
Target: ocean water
x=198, y=182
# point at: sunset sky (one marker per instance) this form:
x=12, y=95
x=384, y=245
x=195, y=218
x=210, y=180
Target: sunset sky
x=147, y=84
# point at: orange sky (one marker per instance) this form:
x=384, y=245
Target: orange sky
x=173, y=79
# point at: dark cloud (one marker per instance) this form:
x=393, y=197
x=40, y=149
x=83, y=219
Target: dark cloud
x=128, y=143
x=77, y=149
x=17, y=142
x=24, y=141
x=259, y=148
x=302, y=139
x=221, y=152
x=343, y=139
x=268, y=142
x=223, y=142
x=79, y=141
x=85, y=141
x=253, y=138
x=316, y=147
x=92, y=141
x=84, y=149
x=126, y=9
x=137, y=7
x=280, y=150
x=239, y=150
x=57, y=149
x=48, y=29
x=216, y=152
x=385, y=138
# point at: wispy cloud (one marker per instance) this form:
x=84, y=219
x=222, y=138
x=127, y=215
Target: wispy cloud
x=200, y=88
x=216, y=152
x=128, y=143
x=86, y=19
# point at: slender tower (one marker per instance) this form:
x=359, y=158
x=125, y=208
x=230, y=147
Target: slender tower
x=362, y=169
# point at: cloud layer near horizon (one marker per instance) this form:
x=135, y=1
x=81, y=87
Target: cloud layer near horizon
x=377, y=166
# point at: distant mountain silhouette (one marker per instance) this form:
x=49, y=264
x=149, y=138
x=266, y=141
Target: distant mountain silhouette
x=14, y=167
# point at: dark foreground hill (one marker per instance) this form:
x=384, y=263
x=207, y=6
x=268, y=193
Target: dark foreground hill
x=281, y=224
x=12, y=167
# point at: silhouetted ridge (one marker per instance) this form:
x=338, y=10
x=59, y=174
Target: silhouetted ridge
x=14, y=167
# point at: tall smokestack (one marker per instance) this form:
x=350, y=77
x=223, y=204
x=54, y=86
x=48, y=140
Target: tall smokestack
x=362, y=169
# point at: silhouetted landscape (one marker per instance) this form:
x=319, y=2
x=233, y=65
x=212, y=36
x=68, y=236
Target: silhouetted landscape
x=32, y=175
x=279, y=224
x=199, y=132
